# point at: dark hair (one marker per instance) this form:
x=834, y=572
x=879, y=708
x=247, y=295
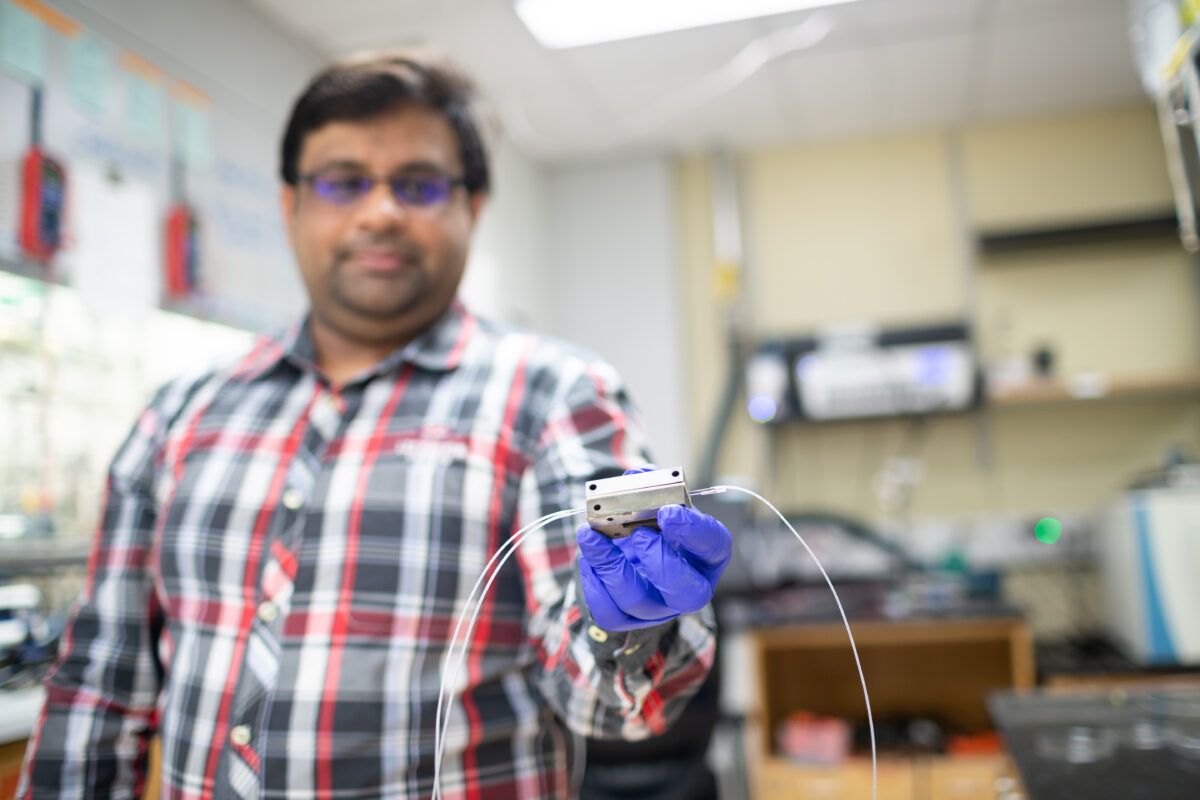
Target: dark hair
x=367, y=85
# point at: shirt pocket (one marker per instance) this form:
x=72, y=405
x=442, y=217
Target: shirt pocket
x=425, y=535
x=205, y=539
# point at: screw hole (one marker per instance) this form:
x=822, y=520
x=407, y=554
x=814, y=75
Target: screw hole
x=610, y=519
x=592, y=486
x=596, y=508
x=675, y=474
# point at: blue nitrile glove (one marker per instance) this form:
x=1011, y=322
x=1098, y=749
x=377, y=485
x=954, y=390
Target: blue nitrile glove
x=650, y=577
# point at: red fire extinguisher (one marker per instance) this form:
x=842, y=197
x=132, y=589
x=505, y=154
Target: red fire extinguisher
x=43, y=194
x=182, y=242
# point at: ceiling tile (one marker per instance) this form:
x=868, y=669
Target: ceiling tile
x=891, y=19
x=751, y=112
x=924, y=82
x=1057, y=65
x=1014, y=13
x=828, y=92
x=632, y=73
x=885, y=65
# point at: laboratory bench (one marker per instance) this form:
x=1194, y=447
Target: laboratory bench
x=1120, y=738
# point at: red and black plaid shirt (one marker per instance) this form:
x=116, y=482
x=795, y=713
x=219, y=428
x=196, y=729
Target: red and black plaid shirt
x=280, y=564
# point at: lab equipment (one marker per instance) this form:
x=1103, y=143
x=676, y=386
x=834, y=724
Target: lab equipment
x=615, y=506
x=1171, y=77
x=18, y=603
x=880, y=380
x=645, y=516
x=854, y=371
x=1150, y=544
x=474, y=604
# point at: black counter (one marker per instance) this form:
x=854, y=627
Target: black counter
x=1113, y=745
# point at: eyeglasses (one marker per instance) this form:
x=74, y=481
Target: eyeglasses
x=344, y=188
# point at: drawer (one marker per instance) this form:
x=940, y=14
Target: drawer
x=961, y=778
x=780, y=779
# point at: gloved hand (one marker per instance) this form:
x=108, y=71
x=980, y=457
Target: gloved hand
x=650, y=577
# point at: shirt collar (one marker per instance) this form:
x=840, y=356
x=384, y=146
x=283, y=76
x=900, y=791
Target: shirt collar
x=439, y=348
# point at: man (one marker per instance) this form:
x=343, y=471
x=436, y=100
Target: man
x=286, y=544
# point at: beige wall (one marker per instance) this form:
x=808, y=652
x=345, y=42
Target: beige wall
x=1120, y=308
x=1095, y=166
x=876, y=230
x=840, y=232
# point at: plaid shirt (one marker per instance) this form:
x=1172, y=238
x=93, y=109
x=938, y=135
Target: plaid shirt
x=280, y=564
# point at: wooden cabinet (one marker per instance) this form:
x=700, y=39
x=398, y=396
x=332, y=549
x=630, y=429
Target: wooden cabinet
x=783, y=780
x=961, y=778
x=970, y=778
x=11, y=755
x=942, y=670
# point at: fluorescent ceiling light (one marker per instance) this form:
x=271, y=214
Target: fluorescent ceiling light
x=559, y=24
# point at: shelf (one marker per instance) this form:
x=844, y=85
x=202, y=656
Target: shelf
x=26, y=556
x=1152, y=226
x=1097, y=386
x=937, y=670
x=204, y=308
x=24, y=268
x=941, y=669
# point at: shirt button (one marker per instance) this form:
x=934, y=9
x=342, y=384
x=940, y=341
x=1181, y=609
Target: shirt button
x=240, y=735
x=599, y=634
x=293, y=499
x=268, y=611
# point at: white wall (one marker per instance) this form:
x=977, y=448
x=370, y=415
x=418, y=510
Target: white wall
x=252, y=71
x=615, y=281
x=507, y=272
x=224, y=47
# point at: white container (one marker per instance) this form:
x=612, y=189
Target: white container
x=1150, y=564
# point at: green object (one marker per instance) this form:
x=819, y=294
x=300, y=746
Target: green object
x=955, y=561
x=1048, y=530
x=22, y=44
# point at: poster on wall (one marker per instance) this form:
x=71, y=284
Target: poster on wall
x=144, y=104
x=88, y=62
x=22, y=43
x=193, y=125
x=114, y=259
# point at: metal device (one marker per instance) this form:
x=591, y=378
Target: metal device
x=1148, y=550
x=615, y=506
x=855, y=371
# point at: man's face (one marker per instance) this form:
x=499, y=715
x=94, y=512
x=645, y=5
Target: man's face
x=376, y=268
